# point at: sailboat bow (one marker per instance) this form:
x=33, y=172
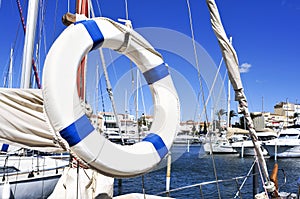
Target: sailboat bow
x=66, y=115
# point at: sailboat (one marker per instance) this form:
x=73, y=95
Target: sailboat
x=23, y=123
x=28, y=168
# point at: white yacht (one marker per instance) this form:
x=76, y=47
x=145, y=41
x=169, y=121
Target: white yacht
x=246, y=148
x=286, y=145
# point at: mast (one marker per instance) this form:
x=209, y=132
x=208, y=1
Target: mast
x=29, y=43
x=228, y=96
x=137, y=102
x=10, y=68
x=109, y=90
x=82, y=7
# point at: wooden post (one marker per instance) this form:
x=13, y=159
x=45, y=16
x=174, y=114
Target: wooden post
x=255, y=180
x=168, y=177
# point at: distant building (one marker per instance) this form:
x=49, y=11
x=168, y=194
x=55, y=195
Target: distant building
x=273, y=120
x=190, y=127
x=258, y=121
x=107, y=122
x=128, y=123
x=285, y=114
x=289, y=111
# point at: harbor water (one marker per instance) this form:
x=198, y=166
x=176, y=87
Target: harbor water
x=193, y=166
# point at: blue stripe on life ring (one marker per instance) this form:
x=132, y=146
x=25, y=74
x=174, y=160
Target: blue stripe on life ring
x=77, y=131
x=94, y=31
x=158, y=144
x=4, y=147
x=156, y=73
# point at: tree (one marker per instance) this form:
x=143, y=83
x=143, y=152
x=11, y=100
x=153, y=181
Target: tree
x=142, y=121
x=205, y=128
x=232, y=114
x=193, y=129
x=296, y=115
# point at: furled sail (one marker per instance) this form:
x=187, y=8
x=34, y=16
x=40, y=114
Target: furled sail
x=23, y=122
x=232, y=64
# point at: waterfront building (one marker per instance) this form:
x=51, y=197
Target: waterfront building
x=107, y=122
x=290, y=111
x=285, y=114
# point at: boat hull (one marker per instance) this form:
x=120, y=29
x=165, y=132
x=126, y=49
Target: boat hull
x=30, y=176
x=32, y=188
x=249, y=151
x=246, y=148
x=218, y=148
x=283, y=151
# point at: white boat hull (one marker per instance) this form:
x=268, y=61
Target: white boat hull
x=249, y=151
x=219, y=148
x=246, y=148
x=187, y=140
x=29, y=177
x=287, y=145
x=32, y=188
x=283, y=151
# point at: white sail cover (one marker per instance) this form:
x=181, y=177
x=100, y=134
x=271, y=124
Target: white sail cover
x=84, y=184
x=232, y=65
x=23, y=121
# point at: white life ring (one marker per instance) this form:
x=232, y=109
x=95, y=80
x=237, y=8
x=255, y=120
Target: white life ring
x=66, y=115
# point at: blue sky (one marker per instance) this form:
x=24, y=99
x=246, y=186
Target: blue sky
x=265, y=36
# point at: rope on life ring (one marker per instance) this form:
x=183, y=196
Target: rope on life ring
x=66, y=115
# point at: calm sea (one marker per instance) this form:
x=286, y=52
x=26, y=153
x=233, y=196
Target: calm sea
x=195, y=167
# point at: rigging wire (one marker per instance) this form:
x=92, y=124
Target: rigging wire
x=213, y=85
x=96, y=99
x=204, y=183
x=126, y=9
x=143, y=98
x=99, y=9
x=44, y=28
x=244, y=181
x=196, y=57
x=260, y=172
x=201, y=87
x=137, y=82
x=13, y=48
x=21, y=15
x=132, y=77
x=54, y=23
x=110, y=93
x=109, y=88
x=102, y=99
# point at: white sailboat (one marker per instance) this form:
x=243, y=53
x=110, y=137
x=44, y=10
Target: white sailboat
x=29, y=176
x=23, y=125
x=218, y=144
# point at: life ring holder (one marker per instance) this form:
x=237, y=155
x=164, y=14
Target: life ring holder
x=66, y=115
